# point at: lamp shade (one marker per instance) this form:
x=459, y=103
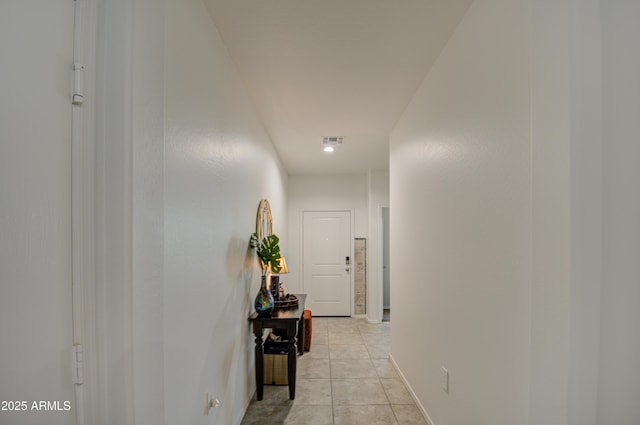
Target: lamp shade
x=283, y=266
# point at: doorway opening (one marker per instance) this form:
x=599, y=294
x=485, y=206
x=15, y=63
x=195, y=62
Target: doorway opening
x=386, y=284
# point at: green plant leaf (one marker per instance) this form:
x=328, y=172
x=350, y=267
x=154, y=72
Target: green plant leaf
x=269, y=252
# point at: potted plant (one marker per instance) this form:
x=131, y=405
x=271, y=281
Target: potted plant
x=268, y=251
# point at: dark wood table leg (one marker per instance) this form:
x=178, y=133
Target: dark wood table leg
x=291, y=361
x=301, y=335
x=259, y=353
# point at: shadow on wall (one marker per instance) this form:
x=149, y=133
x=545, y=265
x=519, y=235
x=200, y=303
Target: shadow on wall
x=228, y=359
x=239, y=258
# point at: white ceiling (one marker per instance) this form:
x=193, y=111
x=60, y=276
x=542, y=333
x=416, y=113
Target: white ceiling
x=333, y=68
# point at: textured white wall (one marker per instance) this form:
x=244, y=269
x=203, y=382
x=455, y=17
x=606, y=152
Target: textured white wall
x=129, y=232
x=219, y=163
x=148, y=209
x=183, y=162
x=577, y=234
x=338, y=192
x=620, y=340
x=35, y=209
x=461, y=224
x=550, y=212
x=586, y=210
x=113, y=287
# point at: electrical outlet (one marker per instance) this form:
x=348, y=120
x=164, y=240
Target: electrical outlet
x=211, y=401
x=445, y=379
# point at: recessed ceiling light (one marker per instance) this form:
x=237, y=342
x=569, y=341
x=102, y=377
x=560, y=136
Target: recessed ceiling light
x=328, y=148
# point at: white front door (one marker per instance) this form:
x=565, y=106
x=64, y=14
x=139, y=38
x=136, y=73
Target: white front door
x=36, y=41
x=327, y=262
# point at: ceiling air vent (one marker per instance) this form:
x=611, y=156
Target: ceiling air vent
x=329, y=143
x=332, y=140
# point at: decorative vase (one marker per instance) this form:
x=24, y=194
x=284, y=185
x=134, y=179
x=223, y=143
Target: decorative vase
x=264, y=300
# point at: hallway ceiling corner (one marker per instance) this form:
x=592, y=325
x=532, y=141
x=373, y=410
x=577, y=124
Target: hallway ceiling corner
x=349, y=67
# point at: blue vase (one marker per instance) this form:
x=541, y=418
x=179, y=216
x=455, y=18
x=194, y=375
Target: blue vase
x=264, y=300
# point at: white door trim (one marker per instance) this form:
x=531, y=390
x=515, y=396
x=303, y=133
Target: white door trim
x=380, y=266
x=83, y=138
x=87, y=220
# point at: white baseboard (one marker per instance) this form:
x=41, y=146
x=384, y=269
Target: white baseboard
x=421, y=408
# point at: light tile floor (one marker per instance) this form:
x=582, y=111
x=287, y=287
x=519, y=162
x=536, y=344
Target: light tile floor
x=346, y=379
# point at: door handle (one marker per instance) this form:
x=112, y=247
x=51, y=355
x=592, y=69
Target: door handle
x=347, y=269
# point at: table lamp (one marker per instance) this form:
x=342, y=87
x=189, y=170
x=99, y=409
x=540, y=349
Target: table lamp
x=275, y=278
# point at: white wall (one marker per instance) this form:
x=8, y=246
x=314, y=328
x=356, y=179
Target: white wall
x=219, y=163
x=35, y=210
x=561, y=248
x=183, y=162
x=620, y=340
x=364, y=194
x=586, y=210
x=461, y=224
x=309, y=193
x=550, y=212
x=128, y=304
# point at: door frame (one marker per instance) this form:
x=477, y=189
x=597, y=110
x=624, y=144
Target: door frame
x=379, y=267
x=351, y=212
x=120, y=134
x=380, y=253
x=83, y=223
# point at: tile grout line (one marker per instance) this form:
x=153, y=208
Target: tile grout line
x=356, y=330
x=333, y=409
x=383, y=389
x=380, y=381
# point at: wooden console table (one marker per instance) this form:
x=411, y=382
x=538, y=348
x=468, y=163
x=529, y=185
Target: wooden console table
x=292, y=321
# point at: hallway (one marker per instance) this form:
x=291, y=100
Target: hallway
x=346, y=379
x=139, y=136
